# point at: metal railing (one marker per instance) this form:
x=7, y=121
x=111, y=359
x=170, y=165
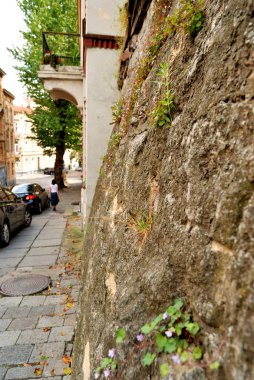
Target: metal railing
x=61, y=49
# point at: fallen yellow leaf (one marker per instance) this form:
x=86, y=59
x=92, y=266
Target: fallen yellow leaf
x=67, y=371
x=38, y=371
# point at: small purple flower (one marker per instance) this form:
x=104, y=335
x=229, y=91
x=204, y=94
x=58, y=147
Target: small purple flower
x=112, y=353
x=140, y=337
x=176, y=359
x=107, y=373
x=165, y=316
x=168, y=333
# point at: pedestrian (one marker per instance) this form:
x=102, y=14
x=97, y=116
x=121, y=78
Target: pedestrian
x=54, y=195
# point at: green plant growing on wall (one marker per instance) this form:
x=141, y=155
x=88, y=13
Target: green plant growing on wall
x=142, y=224
x=170, y=337
x=163, y=112
x=114, y=140
x=196, y=23
x=117, y=112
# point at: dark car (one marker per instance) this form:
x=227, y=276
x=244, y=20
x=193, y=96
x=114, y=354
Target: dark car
x=50, y=171
x=13, y=214
x=34, y=195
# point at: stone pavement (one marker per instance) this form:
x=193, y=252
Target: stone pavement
x=37, y=331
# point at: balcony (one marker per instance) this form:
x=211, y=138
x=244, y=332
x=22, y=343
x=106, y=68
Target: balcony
x=61, y=73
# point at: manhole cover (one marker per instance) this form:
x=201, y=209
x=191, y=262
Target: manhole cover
x=24, y=285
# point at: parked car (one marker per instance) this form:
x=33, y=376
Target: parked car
x=13, y=214
x=34, y=195
x=50, y=171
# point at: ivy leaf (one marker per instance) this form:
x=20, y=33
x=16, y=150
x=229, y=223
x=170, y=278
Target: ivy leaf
x=193, y=328
x=178, y=303
x=184, y=357
x=170, y=346
x=215, y=365
x=120, y=335
x=146, y=329
x=164, y=369
x=105, y=362
x=148, y=359
x=113, y=365
x=197, y=353
x=161, y=341
x=178, y=328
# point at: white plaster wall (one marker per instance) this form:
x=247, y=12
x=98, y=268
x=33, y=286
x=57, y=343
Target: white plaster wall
x=102, y=16
x=101, y=93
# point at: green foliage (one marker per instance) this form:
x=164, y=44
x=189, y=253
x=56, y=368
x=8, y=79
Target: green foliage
x=120, y=335
x=171, y=334
x=56, y=125
x=117, y=111
x=148, y=359
x=215, y=365
x=115, y=139
x=164, y=369
x=163, y=112
x=196, y=23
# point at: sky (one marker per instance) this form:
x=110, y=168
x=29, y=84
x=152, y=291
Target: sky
x=11, y=22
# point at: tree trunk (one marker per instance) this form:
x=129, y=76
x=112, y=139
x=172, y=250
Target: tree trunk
x=60, y=148
x=59, y=163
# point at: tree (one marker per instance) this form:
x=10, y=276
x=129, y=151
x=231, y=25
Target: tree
x=56, y=125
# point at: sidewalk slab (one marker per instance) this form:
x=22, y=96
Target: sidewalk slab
x=45, y=260
x=33, y=301
x=10, y=301
x=39, y=311
x=47, y=243
x=48, y=321
x=33, y=336
x=23, y=323
x=15, y=354
x=9, y=262
x=11, y=252
x=8, y=338
x=17, y=312
x=40, y=251
x=49, y=350
x=18, y=373
x=4, y=323
x=61, y=334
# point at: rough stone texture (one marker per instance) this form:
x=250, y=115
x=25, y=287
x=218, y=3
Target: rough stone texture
x=199, y=174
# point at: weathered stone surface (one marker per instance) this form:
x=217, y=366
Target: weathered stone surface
x=195, y=180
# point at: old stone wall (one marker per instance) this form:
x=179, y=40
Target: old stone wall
x=191, y=184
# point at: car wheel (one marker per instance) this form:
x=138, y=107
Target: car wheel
x=5, y=235
x=28, y=218
x=39, y=208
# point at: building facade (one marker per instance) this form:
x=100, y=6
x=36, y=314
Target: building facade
x=3, y=177
x=9, y=136
x=29, y=156
x=92, y=86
